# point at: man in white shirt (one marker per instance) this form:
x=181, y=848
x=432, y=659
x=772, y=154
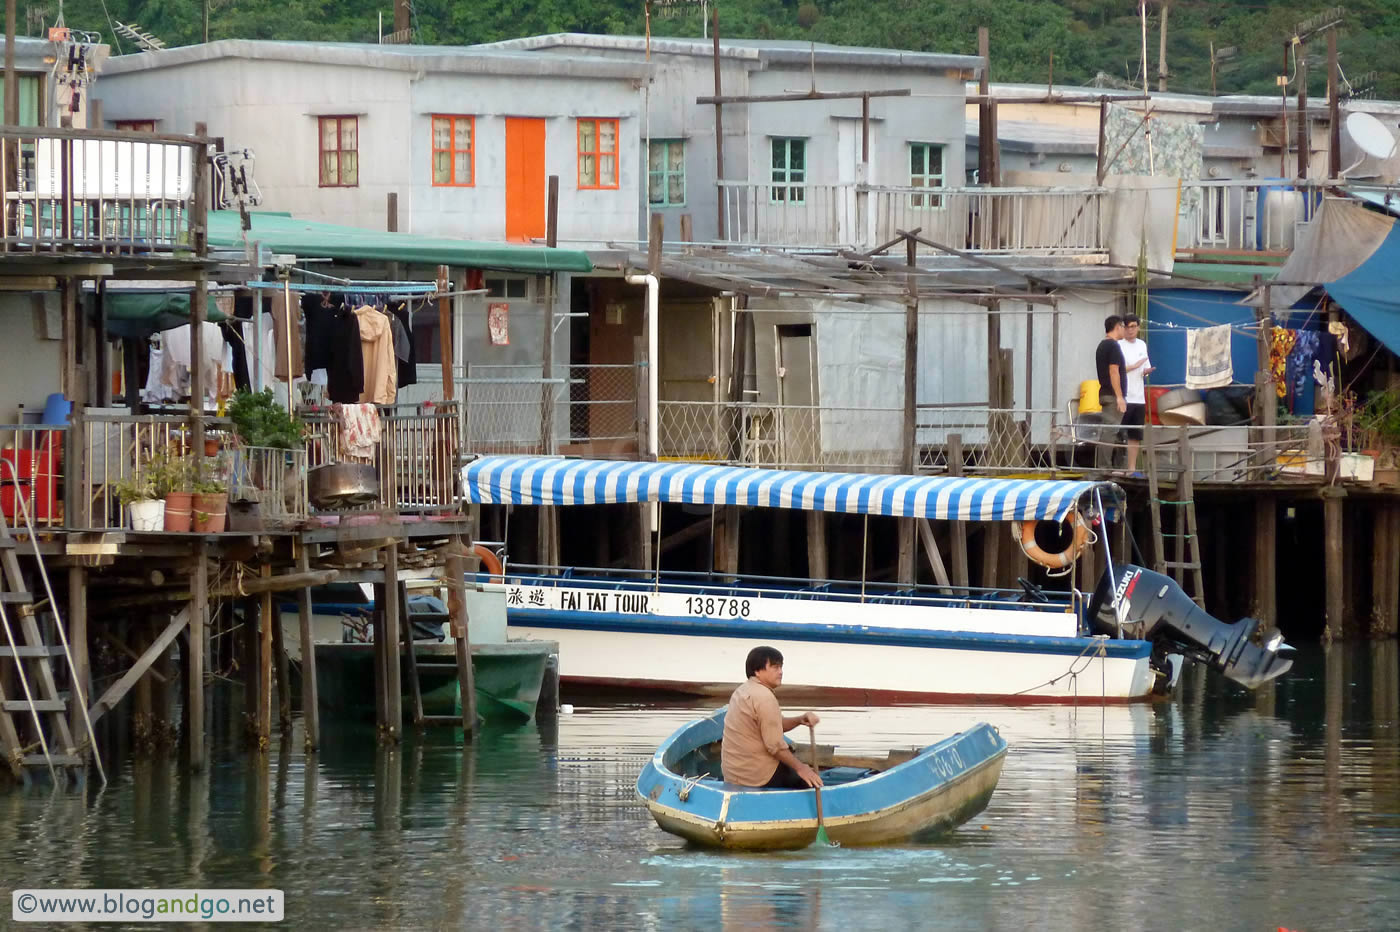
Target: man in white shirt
x=1136, y=366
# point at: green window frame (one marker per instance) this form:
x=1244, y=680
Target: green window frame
x=927, y=169
x=666, y=173
x=789, y=170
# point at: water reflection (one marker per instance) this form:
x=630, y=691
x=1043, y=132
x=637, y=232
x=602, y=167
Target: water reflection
x=1221, y=809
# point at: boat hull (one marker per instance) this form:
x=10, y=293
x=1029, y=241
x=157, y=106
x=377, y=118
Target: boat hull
x=930, y=795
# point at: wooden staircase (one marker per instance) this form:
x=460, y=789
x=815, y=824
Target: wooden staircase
x=36, y=736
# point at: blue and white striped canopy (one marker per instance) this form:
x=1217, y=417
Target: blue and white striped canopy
x=527, y=480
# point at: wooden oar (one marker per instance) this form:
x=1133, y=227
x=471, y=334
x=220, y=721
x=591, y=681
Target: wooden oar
x=821, y=821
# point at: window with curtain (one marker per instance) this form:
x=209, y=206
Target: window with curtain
x=454, y=150
x=340, y=151
x=666, y=173
x=789, y=170
x=597, y=153
x=925, y=171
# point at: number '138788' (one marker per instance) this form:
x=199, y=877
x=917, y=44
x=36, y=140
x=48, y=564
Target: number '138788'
x=713, y=606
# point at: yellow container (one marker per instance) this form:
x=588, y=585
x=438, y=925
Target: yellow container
x=1089, y=397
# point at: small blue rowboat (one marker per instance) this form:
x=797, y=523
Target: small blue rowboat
x=913, y=794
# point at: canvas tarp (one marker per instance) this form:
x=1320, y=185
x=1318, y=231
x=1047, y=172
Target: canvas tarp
x=1140, y=209
x=282, y=233
x=138, y=314
x=1370, y=293
x=1343, y=236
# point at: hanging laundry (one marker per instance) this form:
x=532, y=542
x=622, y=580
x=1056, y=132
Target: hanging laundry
x=1208, y=357
x=282, y=317
x=158, y=389
x=176, y=363
x=377, y=347
x=1280, y=346
x=359, y=430
x=319, y=311
x=406, y=353
x=346, y=367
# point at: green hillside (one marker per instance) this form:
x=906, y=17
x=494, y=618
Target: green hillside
x=1086, y=37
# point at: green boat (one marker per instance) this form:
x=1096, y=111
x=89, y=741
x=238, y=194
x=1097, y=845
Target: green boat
x=509, y=678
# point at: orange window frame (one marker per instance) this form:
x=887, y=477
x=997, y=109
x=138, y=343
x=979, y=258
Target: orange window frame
x=598, y=153
x=452, y=150
x=321, y=150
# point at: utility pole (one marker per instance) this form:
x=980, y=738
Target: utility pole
x=1162, y=52
x=719, y=138
x=1334, y=128
x=11, y=81
x=1304, y=142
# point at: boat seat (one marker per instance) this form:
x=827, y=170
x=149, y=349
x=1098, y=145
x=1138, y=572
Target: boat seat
x=835, y=776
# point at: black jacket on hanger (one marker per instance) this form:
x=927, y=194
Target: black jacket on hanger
x=320, y=314
x=345, y=371
x=407, y=368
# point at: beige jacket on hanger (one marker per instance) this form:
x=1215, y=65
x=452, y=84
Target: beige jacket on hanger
x=377, y=345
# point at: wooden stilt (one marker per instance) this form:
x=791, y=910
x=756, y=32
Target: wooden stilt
x=310, y=710
x=393, y=687
x=284, y=673
x=935, y=558
x=816, y=546
x=142, y=717
x=959, y=531
x=266, y=620
x=248, y=650
x=1392, y=572
x=728, y=564
x=196, y=659
x=992, y=532
x=377, y=626
x=1381, y=608
x=78, y=644
x=1335, y=598
x=457, y=612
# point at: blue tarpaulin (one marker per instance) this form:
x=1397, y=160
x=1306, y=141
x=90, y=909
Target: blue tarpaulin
x=1173, y=311
x=1371, y=292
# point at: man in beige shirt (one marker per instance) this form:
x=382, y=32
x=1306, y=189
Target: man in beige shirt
x=754, y=752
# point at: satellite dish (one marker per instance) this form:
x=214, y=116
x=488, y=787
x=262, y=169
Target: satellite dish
x=1370, y=135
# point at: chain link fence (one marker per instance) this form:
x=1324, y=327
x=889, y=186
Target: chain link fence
x=589, y=409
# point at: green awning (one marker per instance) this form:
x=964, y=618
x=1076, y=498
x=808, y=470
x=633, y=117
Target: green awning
x=137, y=314
x=308, y=239
x=1226, y=273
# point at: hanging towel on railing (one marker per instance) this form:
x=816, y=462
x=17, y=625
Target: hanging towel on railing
x=359, y=430
x=1208, y=357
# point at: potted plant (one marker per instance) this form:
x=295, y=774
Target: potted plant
x=259, y=421
x=173, y=477
x=210, y=502
x=1379, y=420
x=138, y=494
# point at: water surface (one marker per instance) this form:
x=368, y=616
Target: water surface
x=1218, y=810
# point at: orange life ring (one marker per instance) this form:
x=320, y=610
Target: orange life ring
x=490, y=562
x=1023, y=532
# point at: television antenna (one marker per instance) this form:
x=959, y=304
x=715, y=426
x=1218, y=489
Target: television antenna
x=135, y=33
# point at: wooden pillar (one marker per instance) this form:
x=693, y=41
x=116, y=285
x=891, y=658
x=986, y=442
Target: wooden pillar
x=310, y=710
x=961, y=578
x=381, y=649
x=461, y=637
x=265, y=623
x=816, y=546
x=284, y=673
x=1381, y=607
x=78, y=644
x=248, y=651
x=1392, y=572
x=1332, y=501
x=194, y=685
x=728, y=562
x=991, y=553
x=1264, y=604
x=199, y=301
x=140, y=637
x=908, y=544
x=393, y=686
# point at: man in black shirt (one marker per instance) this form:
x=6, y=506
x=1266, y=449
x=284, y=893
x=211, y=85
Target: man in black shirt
x=1112, y=372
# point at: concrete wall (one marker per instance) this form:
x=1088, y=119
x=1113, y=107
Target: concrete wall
x=272, y=107
x=31, y=360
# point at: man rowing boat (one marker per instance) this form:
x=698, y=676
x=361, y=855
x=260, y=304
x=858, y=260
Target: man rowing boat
x=754, y=752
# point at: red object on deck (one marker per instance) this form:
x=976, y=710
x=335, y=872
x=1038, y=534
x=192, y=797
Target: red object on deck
x=1152, y=395
x=33, y=473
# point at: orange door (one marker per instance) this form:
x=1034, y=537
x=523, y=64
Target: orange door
x=525, y=181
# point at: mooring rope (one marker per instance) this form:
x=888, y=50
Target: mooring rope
x=1100, y=649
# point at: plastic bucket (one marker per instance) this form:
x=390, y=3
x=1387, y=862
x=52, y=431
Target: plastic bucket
x=1089, y=397
x=147, y=515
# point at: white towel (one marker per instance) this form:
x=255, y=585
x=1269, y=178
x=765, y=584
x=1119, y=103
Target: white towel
x=1208, y=357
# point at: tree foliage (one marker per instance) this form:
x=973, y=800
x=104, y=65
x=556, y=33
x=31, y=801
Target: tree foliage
x=1086, y=37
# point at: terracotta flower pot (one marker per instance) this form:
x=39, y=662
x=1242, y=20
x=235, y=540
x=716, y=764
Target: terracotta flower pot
x=177, y=511
x=211, y=446
x=210, y=512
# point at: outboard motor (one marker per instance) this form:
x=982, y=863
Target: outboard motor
x=1152, y=607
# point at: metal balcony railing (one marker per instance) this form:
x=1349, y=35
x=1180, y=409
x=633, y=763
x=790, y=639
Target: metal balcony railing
x=417, y=455
x=97, y=191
